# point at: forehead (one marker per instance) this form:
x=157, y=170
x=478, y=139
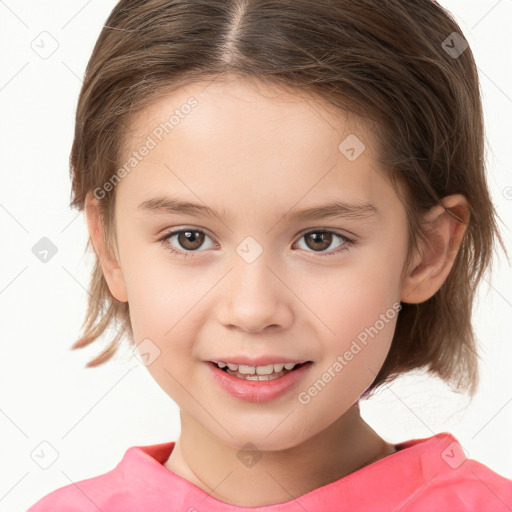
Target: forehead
x=231, y=104
x=235, y=141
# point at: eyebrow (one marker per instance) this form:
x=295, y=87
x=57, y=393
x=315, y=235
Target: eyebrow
x=333, y=209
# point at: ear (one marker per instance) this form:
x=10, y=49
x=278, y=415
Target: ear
x=108, y=261
x=436, y=255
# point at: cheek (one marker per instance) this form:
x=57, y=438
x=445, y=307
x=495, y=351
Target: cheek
x=352, y=296
x=358, y=305
x=167, y=306
x=363, y=332
x=158, y=294
x=362, y=325
x=164, y=301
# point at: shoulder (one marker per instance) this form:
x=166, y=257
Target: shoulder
x=82, y=496
x=435, y=474
x=472, y=486
x=124, y=487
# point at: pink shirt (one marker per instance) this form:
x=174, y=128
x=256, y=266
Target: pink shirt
x=430, y=474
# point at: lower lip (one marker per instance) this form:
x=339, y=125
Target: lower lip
x=258, y=390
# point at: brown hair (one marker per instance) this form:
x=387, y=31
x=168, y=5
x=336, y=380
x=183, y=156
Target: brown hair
x=384, y=61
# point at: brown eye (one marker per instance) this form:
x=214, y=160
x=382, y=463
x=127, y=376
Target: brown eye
x=186, y=242
x=318, y=240
x=190, y=240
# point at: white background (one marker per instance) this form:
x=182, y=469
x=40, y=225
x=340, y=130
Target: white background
x=91, y=416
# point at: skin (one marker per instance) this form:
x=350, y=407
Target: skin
x=254, y=154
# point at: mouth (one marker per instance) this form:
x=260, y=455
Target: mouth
x=259, y=373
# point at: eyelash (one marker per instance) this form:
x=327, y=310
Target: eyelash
x=348, y=242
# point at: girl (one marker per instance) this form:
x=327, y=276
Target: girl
x=289, y=209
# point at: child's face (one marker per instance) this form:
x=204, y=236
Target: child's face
x=255, y=285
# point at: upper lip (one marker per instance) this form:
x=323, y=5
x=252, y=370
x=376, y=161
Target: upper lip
x=257, y=361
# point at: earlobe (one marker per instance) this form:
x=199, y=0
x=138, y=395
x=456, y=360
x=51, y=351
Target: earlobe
x=109, y=263
x=436, y=255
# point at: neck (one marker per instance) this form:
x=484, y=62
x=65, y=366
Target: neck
x=345, y=446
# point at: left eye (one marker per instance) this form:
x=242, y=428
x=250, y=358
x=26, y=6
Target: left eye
x=191, y=240
x=322, y=239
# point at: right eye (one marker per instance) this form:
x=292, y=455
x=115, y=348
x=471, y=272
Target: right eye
x=190, y=239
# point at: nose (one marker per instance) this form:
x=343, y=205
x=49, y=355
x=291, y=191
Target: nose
x=255, y=297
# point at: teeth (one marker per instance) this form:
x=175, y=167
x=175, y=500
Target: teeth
x=263, y=370
x=258, y=377
x=247, y=370
x=257, y=370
